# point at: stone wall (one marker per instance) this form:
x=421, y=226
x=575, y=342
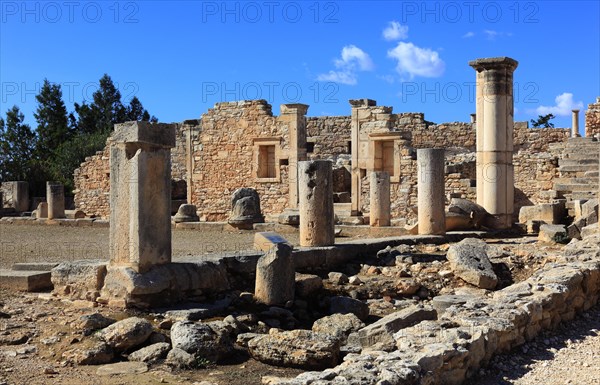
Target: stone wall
x=330, y=136
x=225, y=152
x=217, y=154
x=592, y=119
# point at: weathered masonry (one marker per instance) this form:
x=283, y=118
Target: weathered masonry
x=243, y=144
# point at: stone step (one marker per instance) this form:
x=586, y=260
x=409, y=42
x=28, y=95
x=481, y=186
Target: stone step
x=581, y=139
x=576, y=180
x=34, y=266
x=581, y=155
x=583, y=195
x=583, y=168
x=578, y=162
x=592, y=174
x=25, y=280
x=575, y=187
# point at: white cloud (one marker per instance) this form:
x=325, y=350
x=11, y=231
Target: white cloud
x=468, y=34
x=416, y=61
x=342, y=77
x=352, y=59
x=564, y=105
x=387, y=78
x=492, y=35
x=395, y=31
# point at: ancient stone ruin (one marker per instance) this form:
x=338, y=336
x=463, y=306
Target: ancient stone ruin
x=385, y=249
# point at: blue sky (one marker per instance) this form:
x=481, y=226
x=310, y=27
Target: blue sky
x=181, y=57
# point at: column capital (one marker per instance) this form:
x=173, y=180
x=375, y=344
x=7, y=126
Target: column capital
x=494, y=63
x=294, y=108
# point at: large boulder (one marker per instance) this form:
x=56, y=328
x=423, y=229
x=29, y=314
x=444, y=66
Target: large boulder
x=298, y=348
x=151, y=354
x=467, y=209
x=347, y=305
x=245, y=208
x=382, y=331
x=126, y=334
x=338, y=325
x=211, y=341
x=275, y=276
x=92, y=353
x=469, y=261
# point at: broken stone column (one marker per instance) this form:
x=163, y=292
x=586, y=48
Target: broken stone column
x=42, y=210
x=495, y=173
x=316, y=203
x=575, y=124
x=295, y=116
x=430, y=187
x=245, y=208
x=379, y=199
x=140, y=195
x=55, y=197
x=275, y=276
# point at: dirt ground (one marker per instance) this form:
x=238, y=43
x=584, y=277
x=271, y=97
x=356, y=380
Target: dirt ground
x=570, y=355
x=36, y=243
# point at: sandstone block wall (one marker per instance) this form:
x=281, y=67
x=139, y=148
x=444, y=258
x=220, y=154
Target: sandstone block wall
x=217, y=154
x=592, y=119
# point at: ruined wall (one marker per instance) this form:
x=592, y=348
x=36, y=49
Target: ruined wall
x=330, y=136
x=225, y=158
x=221, y=154
x=92, y=178
x=592, y=119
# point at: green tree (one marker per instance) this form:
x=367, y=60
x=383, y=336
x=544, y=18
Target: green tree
x=543, y=121
x=17, y=141
x=51, y=116
x=136, y=111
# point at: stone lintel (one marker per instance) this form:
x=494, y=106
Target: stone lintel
x=494, y=63
x=294, y=108
x=356, y=103
x=154, y=134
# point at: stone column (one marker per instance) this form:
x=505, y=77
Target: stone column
x=315, y=180
x=140, y=195
x=430, y=191
x=495, y=173
x=575, y=124
x=295, y=116
x=55, y=197
x=379, y=198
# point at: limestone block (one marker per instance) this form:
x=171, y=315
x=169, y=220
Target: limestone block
x=547, y=212
x=307, y=285
x=298, y=348
x=25, y=280
x=55, y=196
x=382, y=331
x=79, y=279
x=275, y=276
x=469, y=261
x=553, y=234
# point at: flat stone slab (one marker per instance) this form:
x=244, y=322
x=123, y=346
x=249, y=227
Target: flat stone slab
x=122, y=368
x=25, y=280
x=34, y=266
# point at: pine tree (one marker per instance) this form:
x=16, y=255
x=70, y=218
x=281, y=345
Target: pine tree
x=51, y=115
x=17, y=142
x=137, y=112
x=108, y=106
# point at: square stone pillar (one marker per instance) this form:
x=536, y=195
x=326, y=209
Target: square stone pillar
x=359, y=114
x=295, y=116
x=18, y=194
x=55, y=197
x=140, y=195
x=494, y=127
x=317, y=227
